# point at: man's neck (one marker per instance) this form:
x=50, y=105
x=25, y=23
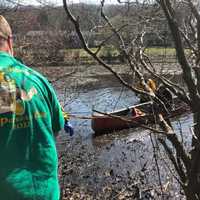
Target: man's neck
x=6, y=51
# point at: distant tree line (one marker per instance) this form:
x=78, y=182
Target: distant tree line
x=42, y=32
x=46, y=18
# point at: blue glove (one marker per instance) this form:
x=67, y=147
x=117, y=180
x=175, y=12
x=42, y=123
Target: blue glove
x=68, y=128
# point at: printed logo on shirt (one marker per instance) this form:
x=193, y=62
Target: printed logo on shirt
x=7, y=93
x=12, y=99
x=21, y=97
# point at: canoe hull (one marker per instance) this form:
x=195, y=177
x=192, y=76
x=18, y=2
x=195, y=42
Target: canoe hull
x=109, y=124
x=122, y=119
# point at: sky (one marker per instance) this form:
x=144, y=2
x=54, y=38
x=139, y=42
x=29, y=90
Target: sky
x=59, y=2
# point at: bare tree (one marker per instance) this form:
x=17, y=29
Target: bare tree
x=185, y=32
x=9, y=6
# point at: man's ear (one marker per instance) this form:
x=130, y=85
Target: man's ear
x=10, y=45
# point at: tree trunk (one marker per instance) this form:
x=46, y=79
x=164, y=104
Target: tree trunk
x=189, y=192
x=193, y=187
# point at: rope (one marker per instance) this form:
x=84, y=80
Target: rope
x=124, y=118
x=80, y=117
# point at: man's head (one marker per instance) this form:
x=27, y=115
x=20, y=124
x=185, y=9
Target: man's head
x=6, y=43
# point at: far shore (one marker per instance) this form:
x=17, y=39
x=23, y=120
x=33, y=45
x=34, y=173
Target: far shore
x=95, y=76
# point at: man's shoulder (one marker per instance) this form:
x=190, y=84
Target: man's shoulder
x=27, y=70
x=16, y=65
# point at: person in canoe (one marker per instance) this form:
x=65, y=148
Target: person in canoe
x=151, y=86
x=165, y=95
x=135, y=112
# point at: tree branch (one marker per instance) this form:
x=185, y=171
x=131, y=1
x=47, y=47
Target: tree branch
x=187, y=70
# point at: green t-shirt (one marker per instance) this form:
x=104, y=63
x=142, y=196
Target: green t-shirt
x=30, y=114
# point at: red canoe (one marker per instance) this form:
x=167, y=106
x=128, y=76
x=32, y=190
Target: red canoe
x=123, y=119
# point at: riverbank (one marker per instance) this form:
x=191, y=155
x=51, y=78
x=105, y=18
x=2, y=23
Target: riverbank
x=121, y=169
x=121, y=165
x=95, y=76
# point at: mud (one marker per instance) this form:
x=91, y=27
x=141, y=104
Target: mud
x=121, y=165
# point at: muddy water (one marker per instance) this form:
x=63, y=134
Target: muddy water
x=105, y=100
x=114, y=159
x=109, y=99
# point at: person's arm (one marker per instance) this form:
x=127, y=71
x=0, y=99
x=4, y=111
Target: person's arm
x=57, y=117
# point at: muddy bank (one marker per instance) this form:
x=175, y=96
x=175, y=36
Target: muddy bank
x=119, y=166
x=86, y=172
x=87, y=77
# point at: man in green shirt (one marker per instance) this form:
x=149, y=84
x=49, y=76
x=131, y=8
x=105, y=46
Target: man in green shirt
x=30, y=118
